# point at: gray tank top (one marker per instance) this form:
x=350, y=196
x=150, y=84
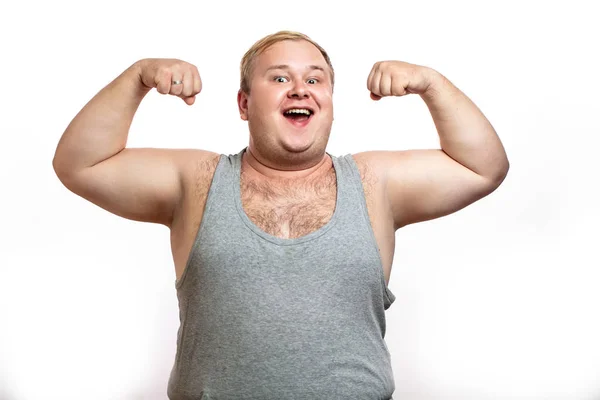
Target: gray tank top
x=268, y=318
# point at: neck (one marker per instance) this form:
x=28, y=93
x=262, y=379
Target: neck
x=254, y=168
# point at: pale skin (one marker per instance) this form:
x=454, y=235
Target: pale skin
x=165, y=186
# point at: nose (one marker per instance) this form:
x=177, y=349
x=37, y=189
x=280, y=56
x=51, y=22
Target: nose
x=299, y=90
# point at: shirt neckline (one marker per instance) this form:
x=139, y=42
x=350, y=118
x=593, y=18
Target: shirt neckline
x=274, y=239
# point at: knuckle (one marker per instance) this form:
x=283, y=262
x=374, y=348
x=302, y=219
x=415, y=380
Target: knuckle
x=163, y=71
x=163, y=78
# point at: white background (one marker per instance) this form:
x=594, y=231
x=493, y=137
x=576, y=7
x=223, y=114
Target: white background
x=497, y=301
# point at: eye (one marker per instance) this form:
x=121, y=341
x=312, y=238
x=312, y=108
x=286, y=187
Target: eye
x=313, y=80
x=280, y=79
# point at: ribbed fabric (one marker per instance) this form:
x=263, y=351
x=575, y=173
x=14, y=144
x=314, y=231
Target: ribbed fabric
x=270, y=318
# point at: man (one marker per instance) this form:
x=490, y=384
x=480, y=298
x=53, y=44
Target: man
x=282, y=252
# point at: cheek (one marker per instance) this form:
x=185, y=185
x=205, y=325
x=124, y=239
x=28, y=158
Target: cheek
x=267, y=103
x=325, y=98
x=263, y=111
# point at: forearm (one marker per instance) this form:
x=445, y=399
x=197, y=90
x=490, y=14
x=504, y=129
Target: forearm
x=100, y=129
x=465, y=133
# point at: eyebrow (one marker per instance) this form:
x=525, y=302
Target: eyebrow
x=287, y=67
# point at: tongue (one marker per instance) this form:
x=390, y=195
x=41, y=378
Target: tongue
x=297, y=117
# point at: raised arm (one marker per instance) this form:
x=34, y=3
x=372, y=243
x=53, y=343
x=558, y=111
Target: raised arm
x=92, y=160
x=426, y=184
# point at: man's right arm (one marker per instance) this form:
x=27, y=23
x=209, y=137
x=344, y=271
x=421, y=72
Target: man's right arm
x=92, y=160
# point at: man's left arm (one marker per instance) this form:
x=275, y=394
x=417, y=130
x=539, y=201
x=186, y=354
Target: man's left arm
x=426, y=184
x=465, y=133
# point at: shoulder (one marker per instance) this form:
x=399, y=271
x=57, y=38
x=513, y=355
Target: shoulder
x=370, y=167
x=373, y=178
x=197, y=167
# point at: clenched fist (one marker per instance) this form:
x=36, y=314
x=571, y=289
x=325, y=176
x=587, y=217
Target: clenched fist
x=171, y=76
x=398, y=78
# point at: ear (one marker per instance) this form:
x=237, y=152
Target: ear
x=242, y=99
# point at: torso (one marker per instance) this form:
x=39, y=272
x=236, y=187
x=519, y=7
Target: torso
x=284, y=211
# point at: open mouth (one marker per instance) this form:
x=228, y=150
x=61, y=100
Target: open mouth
x=298, y=116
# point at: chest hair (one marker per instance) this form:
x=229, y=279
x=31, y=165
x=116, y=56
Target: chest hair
x=289, y=209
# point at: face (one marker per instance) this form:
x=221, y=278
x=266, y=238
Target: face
x=289, y=75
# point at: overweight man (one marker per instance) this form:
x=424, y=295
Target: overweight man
x=282, y=251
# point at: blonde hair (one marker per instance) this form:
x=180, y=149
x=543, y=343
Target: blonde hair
x=247, y=63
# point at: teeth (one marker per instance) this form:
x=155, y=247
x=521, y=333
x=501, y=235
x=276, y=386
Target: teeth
x=298, y=111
